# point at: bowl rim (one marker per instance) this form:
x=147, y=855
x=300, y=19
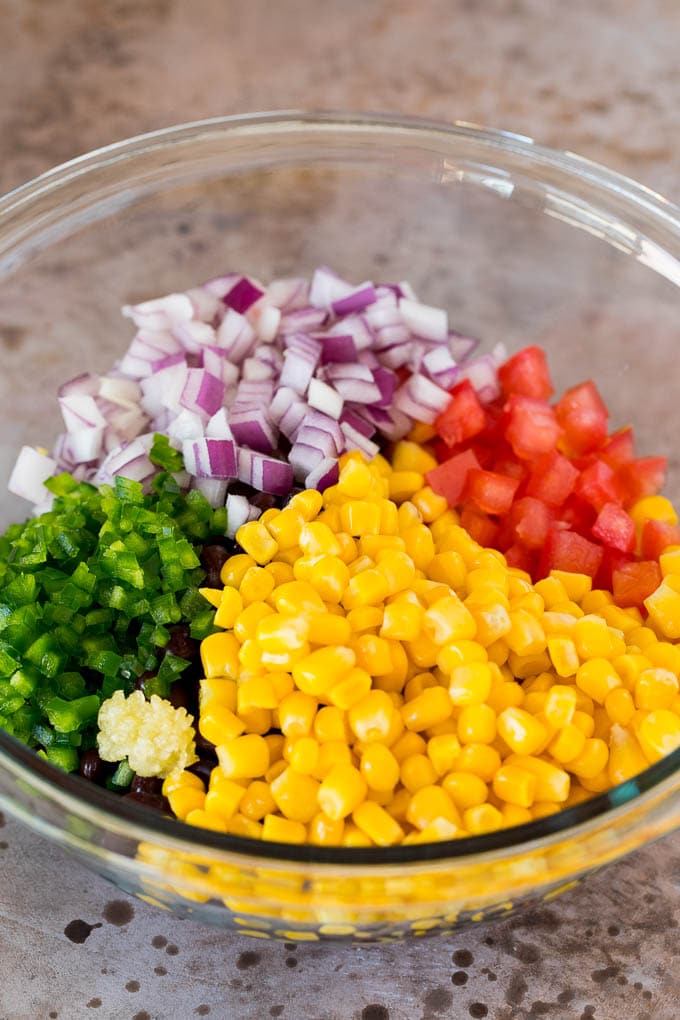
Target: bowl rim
x=75, y=792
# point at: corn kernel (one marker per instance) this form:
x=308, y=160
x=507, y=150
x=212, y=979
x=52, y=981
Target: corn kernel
x=341, y=792
x=295, y=795
x=568, y=743
x=256, y=586
x=283, y=830
x=481, y=759
x=219, y=655
x=470, y=684
x=481, y=819
x=429, y=803
x=257, y=801
x=370, y=718
x=427, y=709
x=324, y=831
x=319, y=671
x=563, y=655
x=377, y=823
x=296, y=714
x=416, y=772
x=257, y=542
x=245, y=757
x=476, y=725
x=515, y=786
x=521, y=731
x=592, y=759
x=655, y=688
x=596, y=678
x=658, y=733
x=352, y=688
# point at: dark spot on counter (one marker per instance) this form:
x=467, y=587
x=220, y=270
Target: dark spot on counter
x=463, y=958
x=489, y=973
x=478, y=1010
x=291, y=962
x=566, y=996
x=94, y=1003
x=53, y=1014
x=78, y=931
x=649, y=897
x=526, y=953
x=2, y=820
x=3, y=844
x=646, y=994
x=517, y=989
x=588, y=1013
x=588, y=933
x=172, y=950
x=142, y=1015
x=438, y=1000
x=488, y=941
x=459, y=978
x=159, y=942
x=622, y=979
x=12, y=336
x=118, y=913
x=104, y=970
x=613, y=930
x=202, y=1010
x=539, y=1008
x=183, y=227
x=374, y=1011
x=132, y=986
x=276, y=1010
x=247, y=960
x=290, y=947
x=638, y=986
x=161, y=971
x=236, y=983
x=600, y=976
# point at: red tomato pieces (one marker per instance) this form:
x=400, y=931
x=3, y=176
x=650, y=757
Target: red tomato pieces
x=583, y=415
x=546, y=485
x=491, y=492
x=465, y=416
x=526, y=373
x=532, y=427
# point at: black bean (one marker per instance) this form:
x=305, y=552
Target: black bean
x=92, y=767
x=203, y=767
x=213, y=558
x=181, y=643
x=150, y=785
x=149, y=800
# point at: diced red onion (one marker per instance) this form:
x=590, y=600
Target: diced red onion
x=499, y=354
x=216, y=361
x=253, y=429
x=193, y=336
x=163, y=390
x=327, y=287
x=283, y=399
x=29, y=474
x=236, y=335
x=482, y=373
x=461, y=346
x=160, y=313
x=267, y=474
x=325, y=473
x=221, y=285
x=396, y=357
x=357, y=422
x=355, y=440
x=358, y=299
x=441, y=367
x=293, y=418
x=354, y=383
x=298, y=368
x=288, y=294
x=302, y=319
x=425, y=320
x=214, y=489
x=202, y=392
x=386, y=381
x=337, y=348
x=186, y=425
x=324, y=398
x=80, y=411
x=304, y=459
x=85, y=385
x=210, y=458
x=358, y=328
x=242, y=295
x=130, y=460
x=266, y=319
x=218, y=426
x=238, y=513
x=320, y=440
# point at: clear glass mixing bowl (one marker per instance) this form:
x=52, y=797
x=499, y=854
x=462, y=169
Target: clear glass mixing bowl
x=521, y=244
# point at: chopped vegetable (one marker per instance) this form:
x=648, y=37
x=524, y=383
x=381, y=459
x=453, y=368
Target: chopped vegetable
x=155, y=738
x=88, y=593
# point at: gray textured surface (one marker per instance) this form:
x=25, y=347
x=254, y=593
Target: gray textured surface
x=602, y=79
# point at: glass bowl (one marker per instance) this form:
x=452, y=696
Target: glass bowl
x=521, y=244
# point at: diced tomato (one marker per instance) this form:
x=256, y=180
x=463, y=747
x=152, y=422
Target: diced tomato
x=619, y=448
x=523, y=559
x=510, y=466
x=448, y=479
x=480, y=526
x=612, y=560
x=552, y=479
x=531, y=520
x=583, y=415
x=615, y=528
x=657, y=536
x=597, y=485
x=634, y=582
x=463, y=418
x=491, y=492
x=577, y=514
x=567, y=550
x=642, y=477
x=526, y=373
x=532, y=428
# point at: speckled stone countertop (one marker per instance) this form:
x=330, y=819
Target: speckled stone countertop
x=600, y=78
